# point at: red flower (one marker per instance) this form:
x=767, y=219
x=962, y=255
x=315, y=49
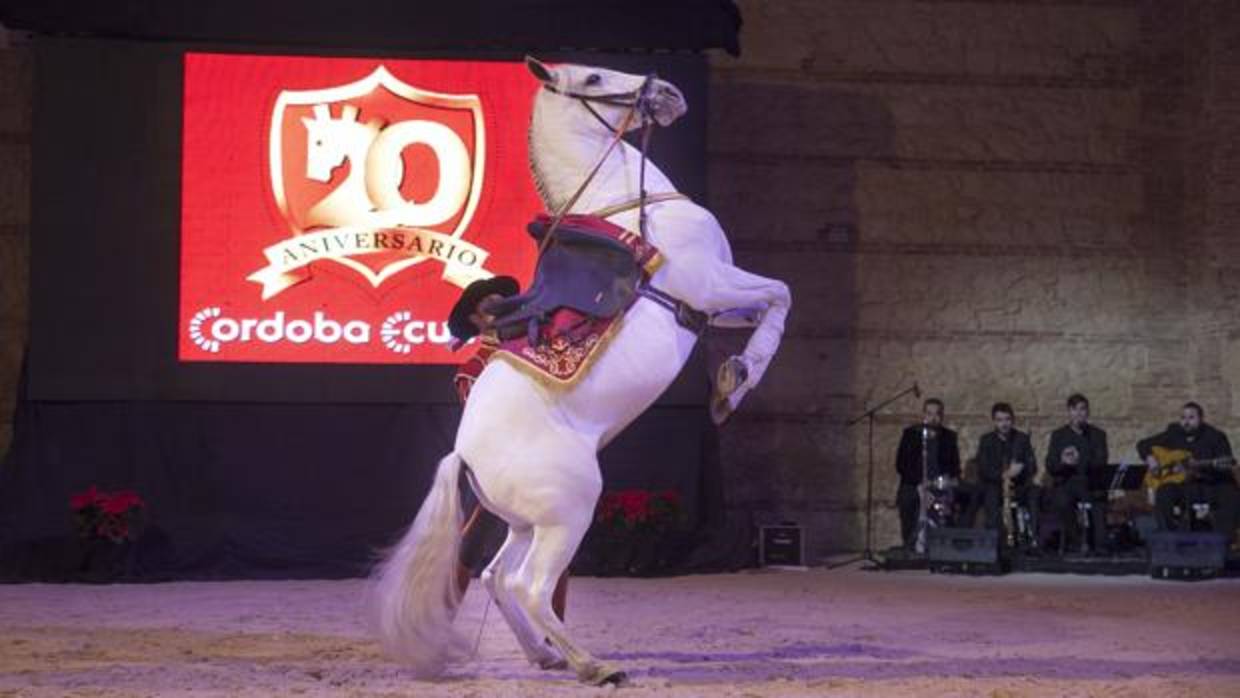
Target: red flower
x=634, y=508
x=120, y=502
x=85, y=499
x=129, y=496
x=636, y=505
x=117, y=516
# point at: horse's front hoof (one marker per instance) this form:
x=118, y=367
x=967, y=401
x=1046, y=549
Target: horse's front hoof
x=553, y=664
x=732, y=374
x=601, y=675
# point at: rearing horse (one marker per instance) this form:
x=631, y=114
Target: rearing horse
x=530, y=450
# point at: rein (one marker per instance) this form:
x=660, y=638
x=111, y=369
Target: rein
x=609, y=211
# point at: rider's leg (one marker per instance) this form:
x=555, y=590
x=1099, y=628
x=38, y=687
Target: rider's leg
x=463, y=571
x=559, y=598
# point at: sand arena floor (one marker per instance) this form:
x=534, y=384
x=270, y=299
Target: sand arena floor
x=762, y=633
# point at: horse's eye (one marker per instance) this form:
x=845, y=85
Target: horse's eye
x=593, y=79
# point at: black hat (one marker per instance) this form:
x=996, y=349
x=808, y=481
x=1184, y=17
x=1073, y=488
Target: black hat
x=459, y=323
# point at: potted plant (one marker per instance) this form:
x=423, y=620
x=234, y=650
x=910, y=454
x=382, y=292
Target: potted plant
x=107, y=525
x=632, y=526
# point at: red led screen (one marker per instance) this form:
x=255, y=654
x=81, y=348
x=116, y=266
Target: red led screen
x=333, y=208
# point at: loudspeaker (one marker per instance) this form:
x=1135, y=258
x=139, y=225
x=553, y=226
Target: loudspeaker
x=963, y=550
x=1175, y=555
x=781, y=546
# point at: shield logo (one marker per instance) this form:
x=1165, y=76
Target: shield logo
x=357, y=167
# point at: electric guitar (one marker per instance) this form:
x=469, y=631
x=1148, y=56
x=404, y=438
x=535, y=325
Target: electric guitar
x=1174, y=466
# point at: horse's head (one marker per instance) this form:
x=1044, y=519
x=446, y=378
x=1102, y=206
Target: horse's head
x=611, y=93
x=329, y=141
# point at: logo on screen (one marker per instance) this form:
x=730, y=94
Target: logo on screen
x=210, y=329
x=343, y=192
x=401, y=332
x=375, y=175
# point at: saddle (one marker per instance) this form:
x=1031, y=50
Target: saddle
x=587, y=267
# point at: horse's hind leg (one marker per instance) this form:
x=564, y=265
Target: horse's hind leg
x=494, y=577
x=550, y=553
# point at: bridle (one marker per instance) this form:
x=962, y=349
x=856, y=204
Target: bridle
x=639, y=105
x=637, y=100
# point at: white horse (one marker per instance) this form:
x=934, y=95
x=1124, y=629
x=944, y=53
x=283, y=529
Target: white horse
x=529, y=449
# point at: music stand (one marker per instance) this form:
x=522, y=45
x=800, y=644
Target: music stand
x=868, y=415
x=1116, y=476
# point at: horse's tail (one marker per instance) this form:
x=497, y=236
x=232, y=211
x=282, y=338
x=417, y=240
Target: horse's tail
x=413, y=596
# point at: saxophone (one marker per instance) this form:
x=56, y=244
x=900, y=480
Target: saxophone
x=1010, y=512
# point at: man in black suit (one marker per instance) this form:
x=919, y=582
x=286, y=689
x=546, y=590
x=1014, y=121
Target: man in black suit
x=1074, y=448
x=929, y=445
x=1214, y=486
x=1006, y=453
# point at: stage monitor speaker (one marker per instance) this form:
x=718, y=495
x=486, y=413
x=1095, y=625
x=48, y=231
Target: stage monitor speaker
x=781, y=546
x=1175, y=555
x=963, y=550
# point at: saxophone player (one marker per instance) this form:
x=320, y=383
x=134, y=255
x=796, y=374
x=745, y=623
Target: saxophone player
x=930, y=447
x=1005, y=454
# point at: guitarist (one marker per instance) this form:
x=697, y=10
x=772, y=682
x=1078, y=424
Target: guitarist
x=1215, y=486
x=1075, y=447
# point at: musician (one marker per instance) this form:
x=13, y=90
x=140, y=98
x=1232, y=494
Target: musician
x=483, y=531
x=1215, y=486
x=942, y=457
x=1006, y=453
x=1074, y=448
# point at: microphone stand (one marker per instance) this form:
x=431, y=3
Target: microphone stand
x=868, y=554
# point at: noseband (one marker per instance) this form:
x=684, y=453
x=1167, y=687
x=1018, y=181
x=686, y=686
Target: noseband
x=637, y=100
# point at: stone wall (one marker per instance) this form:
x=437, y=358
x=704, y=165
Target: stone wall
x=1001, y=200
x=1213, y=194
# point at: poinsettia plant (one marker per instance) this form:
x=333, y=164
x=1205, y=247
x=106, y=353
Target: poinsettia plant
x=639, y=509
x=115, y=516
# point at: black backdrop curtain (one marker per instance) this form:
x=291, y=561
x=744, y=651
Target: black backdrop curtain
x=608, y=25
x=253, y=490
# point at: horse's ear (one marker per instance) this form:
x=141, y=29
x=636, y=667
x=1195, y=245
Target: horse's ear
x=539, y=70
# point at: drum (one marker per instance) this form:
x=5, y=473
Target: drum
x=942, y=496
